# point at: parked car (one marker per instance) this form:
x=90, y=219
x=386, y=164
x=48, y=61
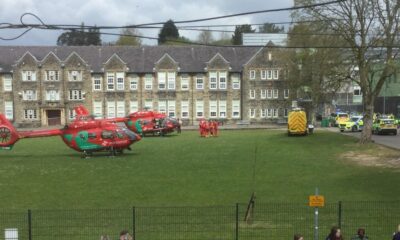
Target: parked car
x=354, y=124
x=381, y=126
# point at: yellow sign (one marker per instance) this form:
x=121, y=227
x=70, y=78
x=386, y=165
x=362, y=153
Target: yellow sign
x=316, y=201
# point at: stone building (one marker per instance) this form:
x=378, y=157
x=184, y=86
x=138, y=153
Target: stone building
x=40, y=86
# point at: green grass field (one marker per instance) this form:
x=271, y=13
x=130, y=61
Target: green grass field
x=186, y=170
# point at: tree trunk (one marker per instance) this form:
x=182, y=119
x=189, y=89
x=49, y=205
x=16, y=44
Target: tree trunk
x=368, y=118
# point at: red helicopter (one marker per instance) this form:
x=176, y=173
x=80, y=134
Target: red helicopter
x=85, y=134
x=149, y=122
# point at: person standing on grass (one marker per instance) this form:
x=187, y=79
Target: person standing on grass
x=124, y=235
x=178, y=127
x=396, y=235
x=298, y=237
x=138, y=126
x=335, y=234
x=360, y=235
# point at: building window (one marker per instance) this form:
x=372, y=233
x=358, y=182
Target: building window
x=110, y=82
x=235, y=108
x=357, y=91
x=120, y=108
x=213, y=80
x=162, y=106
x=269, y=113
x=213, y=109
x=71, y=114
x=52, y=75
x=235, y=82
x=133, y=82
x=120, y=81
x=285, y=112
x=9, y=110
x=29, y=95
x=276, y=74
x=28, y=76
x=269, y=74
x=171, y=109
x=276, y=93
x=286, y=93
x=52, y=95
x=148, y=82
x=269, y=93
x=148, y=105
x=171, y=80
x=263, y=93
x=199, y=108
x=185, y=109
x=252, y=113
x=199, y=83
x=75, y=76
x=111, y=109
x=275, y=113
x=7, y=83
x=222, y=109
x=161, y=77
x=98, y=109
x=30, y=114
x=252, y=74
x=97, y=83
x=75, y=95
x=133, y=106
x=263, y=74
x=184, y=83
x=263, y=113
x=222, y=80
x=252, y=94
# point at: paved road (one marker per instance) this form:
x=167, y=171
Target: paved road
x=387, y=140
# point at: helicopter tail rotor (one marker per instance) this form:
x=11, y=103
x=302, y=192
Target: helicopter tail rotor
x=8, y=134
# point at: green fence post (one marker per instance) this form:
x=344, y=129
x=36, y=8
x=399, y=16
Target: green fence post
x=134, y=223
x=29, y=224
x=237, y=222
x=340, y=214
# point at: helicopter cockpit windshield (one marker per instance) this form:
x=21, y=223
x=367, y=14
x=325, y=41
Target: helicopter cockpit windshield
x=131, y=135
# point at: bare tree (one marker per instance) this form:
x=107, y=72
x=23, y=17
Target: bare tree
x=370, y=29
x=205, y=37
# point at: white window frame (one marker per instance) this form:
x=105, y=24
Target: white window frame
x=213, y=108
x=252, y=94
x=213, y=80
x=52, y=95
x=29, y=95
x=252, y=74
x=235, y=82
x=269, y=93
x=133, y=106
x=275, y=74
x=286, y=93
x=199, y=86
x=30, y=114
x=222, y=109
x=98, y=109
x=7, y=83
x=269, y=74
x=263, y=113
x=149, y=105
x=120, y=81
x=28, y=76
x=263, y=74
x=111, y=111
x=263, y=93
x=269, y=113
x=285, y=112
x=222, y=79
x=97, y=82
x=71, y=114
x=162, y=80
x=120, y=109
x=148, y=82
x=252, y=112
x=52, y=75
x=162, y=106
x=185, y=109
x=185, y=83
x=275, y=93
x=9, y=110
x=357, y=88
x=275, y=112
x=75, y=95
x=171, y=108
x=133, y=82
x=235, y=108
x=199, y=108
x=75, y=76
x=110, y=81
x=171, y=80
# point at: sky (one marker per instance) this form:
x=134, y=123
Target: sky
x=124, y=12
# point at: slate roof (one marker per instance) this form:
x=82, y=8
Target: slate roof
x=138, y=59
